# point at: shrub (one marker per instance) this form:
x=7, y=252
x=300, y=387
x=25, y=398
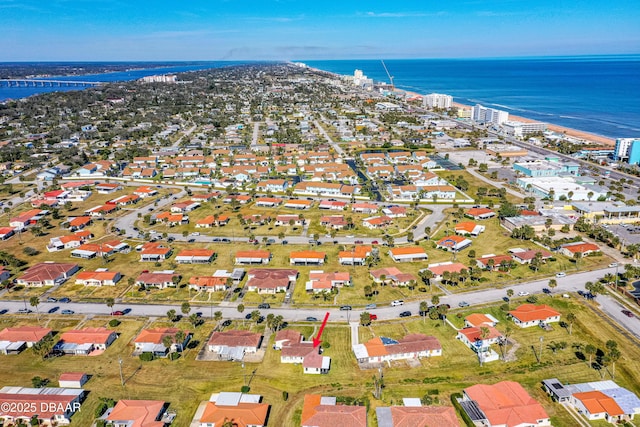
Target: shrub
x=146, y=357
x=114, y=322
x=325, y=344
x=245, y=389
x=174, y=356
x=285, y=395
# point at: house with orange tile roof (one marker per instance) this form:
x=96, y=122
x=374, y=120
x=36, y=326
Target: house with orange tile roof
x=85, y=341
x=307, y=257
x=126, y=200
x=298, y=204
x=582, y=248
x=323, y=411
x=208, y=283
x=440, y=268
x=469, y=228
x=27, y=218
x=6, y=232
x=101, y=211
x=526, y=256
x=365, y=208
x=233, y=344
x=172, y=219
x=206, y=222
x=205, y=197
x=408, y=254
x=595, y=405
x=15, y=339
x=383, y=349
x=480, y=319
x=376, y=222
x=528, y=315
x=153, y=341
x=480, y=213
x=157, y=279
x=295, y=349
x=246, y=410
x=145, y=191
x=356, y=256
x=195, y=256
x=50, y=406
x=100, y=277
x=392, y=276
x=453, y=243
x=505, y=403
x=413, y=414
x=47, y=274
x=64, y=242
x=252, y=257
x=319, y=281
x=336, y=222
x=270, y=280
x=108, y=188
x=80, y=222
x=154, y=252
x=137, y=413
x=268, y=202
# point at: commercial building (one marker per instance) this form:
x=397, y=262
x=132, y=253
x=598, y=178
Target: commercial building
x=546, y=168
x=519, y=129
x=565, y=187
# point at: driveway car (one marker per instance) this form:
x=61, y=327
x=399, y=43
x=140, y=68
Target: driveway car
x=68, y=312
x=405, y=314
x=65, y=300
x=345, y=308
x=264, y=305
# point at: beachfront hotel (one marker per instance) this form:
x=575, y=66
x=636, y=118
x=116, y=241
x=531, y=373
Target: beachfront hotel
x=437, y=100
x=482, y=114
x=627, y=149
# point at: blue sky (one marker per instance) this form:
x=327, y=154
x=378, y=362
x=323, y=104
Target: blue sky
x=103, y=30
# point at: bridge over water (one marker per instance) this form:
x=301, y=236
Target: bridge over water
x=46, y=83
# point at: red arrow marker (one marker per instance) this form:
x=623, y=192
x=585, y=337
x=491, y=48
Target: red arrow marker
x=316, y=339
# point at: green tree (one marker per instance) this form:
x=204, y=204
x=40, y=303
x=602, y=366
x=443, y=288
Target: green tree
x=590, y=350
x=185, y=308
x=570, y=318
x=172, y=315
x=43, y=347
x=110, y=303
x=34, y=302
x=240, y=309
x=365, y=318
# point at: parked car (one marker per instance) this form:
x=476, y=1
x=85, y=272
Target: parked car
x=311, y=319
x=613, y=264
x=523, y=293
x=117, y=313
x=561, y=274
x=358, y=242
x=370, y=306
x=397, y=303
x=284, y=242
x=52, y=299
x=373, y=317
x=463, y=304
x=53, y=310
x=374, y=242
x=264, y=305
x=67, y=312
x=66, y=300
x=345, y=307
x=546, y=290
x=627, y=313
x=4, y=311
x=191, y=241
x=25, y=311
x=405, y=314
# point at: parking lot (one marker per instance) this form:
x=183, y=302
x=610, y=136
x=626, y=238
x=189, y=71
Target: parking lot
x=629, y=234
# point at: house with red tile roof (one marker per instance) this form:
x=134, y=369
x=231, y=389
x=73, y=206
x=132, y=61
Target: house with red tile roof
x=365, y=208
x=453, y=243
x=15, y=339
x=100, y=277
x=319, y=281
x=413, y=414
x=268, y=202
x=439, y=269
x=80, y=222
x=172, y=219
x=252, y=257
x=64, y=242
x=473, y=338
x=505, y=403
x=49, y=405
x=493, y=262
x=469, y=228
x=307, y=257
x=47, y=274
x=335, y=222
x=392, y=276
x=332, y=205
x=323, y=411
x=595, y=405
x=195, y=256
x=85, y=341
x=395, y=212
x=27, y=218
x=246, y=410
x=528, y=315
x=408, y=254
x=480, y=213
x=101, y=211
x=157, y=279
x=145, y=191
x=137, y=413
x=107, y=188
x=383, y=349
x=208, y=283
x=582, y=248
x=295, y=349
x=526, y=256
x=356, y=256
x=376, y=222
x=6, y=232
x=270, y=280
x=233, y=344
x=126, y=200
x=153, y=341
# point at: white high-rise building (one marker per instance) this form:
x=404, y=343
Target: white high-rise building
x=623, y=148
x=523, y=128
x=482, y=114
x=359, y=79
x=438, y=100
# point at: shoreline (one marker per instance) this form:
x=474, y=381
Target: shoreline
x=571, y=132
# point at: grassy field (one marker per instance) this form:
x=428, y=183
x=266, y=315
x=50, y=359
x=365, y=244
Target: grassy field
x=186, y=382
x=474, y=184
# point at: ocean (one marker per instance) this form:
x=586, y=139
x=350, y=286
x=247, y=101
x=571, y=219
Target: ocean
x=597, y=94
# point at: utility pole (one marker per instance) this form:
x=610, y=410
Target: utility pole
x=121, y=376
x=540, y=357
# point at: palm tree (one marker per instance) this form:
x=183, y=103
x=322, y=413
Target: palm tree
x=484, y=334
x=240, y=309
x=229, y=423
x=185, y=308
x=570, y=318
x=590, y=349
x=614, y=355
x=553, y=283
x=110, y=303
x=435, y=300
x=34, y=302
x=217, y=316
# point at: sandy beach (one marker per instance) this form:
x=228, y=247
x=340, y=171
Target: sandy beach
x=597, y=139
